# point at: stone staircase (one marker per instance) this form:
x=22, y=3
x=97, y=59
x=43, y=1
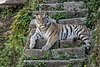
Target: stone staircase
x=64, y=53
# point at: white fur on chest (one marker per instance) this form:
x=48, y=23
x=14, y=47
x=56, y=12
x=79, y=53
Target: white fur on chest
x=45, y=35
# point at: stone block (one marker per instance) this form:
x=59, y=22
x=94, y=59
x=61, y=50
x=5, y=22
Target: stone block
x=72, y=5
x=68, y=43
x=51, y=1
x=56, y=63
x=50, y=6
x=7, y=33
x=58, y=1
x=1, y=25
x=70, y=14
x=35, y=52
x=99, y=9
x=77, y=52
x=11, y=3
x=80, y=21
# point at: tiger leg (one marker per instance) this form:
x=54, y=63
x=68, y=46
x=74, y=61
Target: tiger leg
x=50, y=42
x=86, y=39
x=33, y=40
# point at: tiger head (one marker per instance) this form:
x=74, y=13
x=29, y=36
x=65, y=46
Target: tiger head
x=42, y=19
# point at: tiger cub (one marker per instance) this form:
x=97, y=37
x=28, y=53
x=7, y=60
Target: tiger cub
x=49, y=30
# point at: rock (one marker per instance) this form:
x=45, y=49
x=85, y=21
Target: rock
x=2, y=25
x=11, y=3
x=77, y=52
x=56, y=63
x=68, y=43
x=50, y=6
x=98, y=9
x=7, y=33
x=72, y=5
x=81, y=21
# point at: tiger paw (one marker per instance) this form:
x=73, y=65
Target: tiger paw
x=32, y=46
x=45, y=48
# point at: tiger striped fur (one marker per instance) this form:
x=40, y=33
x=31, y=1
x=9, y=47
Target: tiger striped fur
x=49, y=30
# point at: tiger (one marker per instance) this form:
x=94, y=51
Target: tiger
x=48, y=29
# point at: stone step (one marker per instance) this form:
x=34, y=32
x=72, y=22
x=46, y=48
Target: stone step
x=56, y=63
x=69, y=6
x=73, y=5
x=80, y=21
x=10, y=4
x=76, y=52
x=70, y=14
x=57, y=1
x=49, y=7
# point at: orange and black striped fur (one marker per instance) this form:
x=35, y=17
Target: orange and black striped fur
x=47, y=28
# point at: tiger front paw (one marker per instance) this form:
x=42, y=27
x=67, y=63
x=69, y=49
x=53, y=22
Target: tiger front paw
x=45, y=48
x=32, y=46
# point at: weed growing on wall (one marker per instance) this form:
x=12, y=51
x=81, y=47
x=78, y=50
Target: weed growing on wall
x=92, y=22
x=58, y=16
x=6, y=13
x=92, y=6
x=14, y=47
x=13, y=53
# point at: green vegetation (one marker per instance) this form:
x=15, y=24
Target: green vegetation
x=62, y=1
x=45, y=57
x=94, y=58
x=93, y=22
x=28, y=65
x=63, y=56
x=65, y=46
x=41, y=64
x=31, y=58
x=93, y=6
x=8, y=13
x=58, y=16
x=38, y=64
x=1, y=30
x=70, y=64
x=12, y=53
x=48, y=56
x=58, y=9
